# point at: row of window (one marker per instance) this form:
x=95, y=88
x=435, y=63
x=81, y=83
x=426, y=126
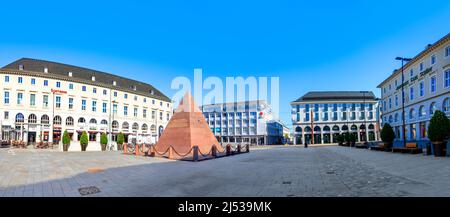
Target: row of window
x=388, y=104
x=83, y=88
x=70, y=104
x=57, y=120
x=231, y=131
x=335, y=128
x=335, y=106
x=422, y=112
x=230, y=115
x=231, y=122
x=362, y=116
x=432, y=60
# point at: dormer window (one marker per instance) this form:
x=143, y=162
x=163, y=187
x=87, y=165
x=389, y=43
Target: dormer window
x=20, y=67
x=114, y=83
x=152, y=92
x=70, y=74
x=45, y=70
x=93, y=78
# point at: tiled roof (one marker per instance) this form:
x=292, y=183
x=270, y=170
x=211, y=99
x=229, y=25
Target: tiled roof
x=84, y=74
x=336, y=95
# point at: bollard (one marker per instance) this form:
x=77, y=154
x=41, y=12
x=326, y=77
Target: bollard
x=228, y=150
x=195, y=153
x=170, y=153
x=136, y=149
x=152, y=151
x=239, y=148
x=247, y=148
x=125, y=148
x=214, y=151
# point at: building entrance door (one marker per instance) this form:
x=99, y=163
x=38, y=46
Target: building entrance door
x=31, y=137
x=326, y=138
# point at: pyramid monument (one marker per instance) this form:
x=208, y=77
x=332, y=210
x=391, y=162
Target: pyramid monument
x=187, y=128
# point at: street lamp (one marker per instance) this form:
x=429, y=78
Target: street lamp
x=403, y=60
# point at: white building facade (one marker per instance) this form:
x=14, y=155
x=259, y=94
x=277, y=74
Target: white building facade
x=41, y=99
x=426, y=88
x=319, y=117
x=249, y=122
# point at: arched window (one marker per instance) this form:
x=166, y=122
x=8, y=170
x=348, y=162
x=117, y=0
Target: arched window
x=446, y=105
x=371, y=127
x=411, y=113
x=45, y=119
x=32, y=119
x=396, y=117
x=93, y=121
x=81, y=120
x=308, y=129
x=115, y=125
x=362, y=127
x=354, y=128
x=104, y=122
x=69, y=121
x=153, y=128
x=125, y=126
x=345, y=128
x=326, y=128
x=432, y=108
x=57, y=120
x=135, y=127
x=19, y=118
x=316, y=129
x=298, y=129
x=390, y=119
x=422, y=112
x=144, y=127
x=335, y=128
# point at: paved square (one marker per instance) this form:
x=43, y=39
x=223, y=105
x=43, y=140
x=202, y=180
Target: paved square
x=274, y=171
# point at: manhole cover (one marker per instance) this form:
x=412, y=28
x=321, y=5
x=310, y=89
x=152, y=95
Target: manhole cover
x=286, y=183
x=89, y=190
x=330, y=172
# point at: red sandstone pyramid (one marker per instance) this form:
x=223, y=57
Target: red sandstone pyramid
x=187, y=128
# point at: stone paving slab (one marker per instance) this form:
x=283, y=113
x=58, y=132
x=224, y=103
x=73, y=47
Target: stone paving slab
x=266, y=171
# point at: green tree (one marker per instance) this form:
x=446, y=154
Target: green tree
x=66, y=138
x=103, y=139
x=84, y=139
x=387, y=134
x=439, y=128
x=120, y=138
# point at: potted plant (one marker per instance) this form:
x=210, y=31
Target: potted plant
x=438, y=132
x=103, y=141
x=340, y=139
x=353, y=139
x=387, y=136
x=84, y=141
x=347, y=139
x=120, y=141
x=66, y=141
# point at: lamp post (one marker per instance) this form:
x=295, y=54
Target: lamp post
x=403, y=60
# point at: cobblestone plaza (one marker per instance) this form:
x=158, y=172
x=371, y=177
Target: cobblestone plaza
x=272, y=171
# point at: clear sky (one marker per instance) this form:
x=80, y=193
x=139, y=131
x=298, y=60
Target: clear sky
x=310, y=45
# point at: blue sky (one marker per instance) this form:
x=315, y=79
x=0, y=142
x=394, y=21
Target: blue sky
x=310, y=45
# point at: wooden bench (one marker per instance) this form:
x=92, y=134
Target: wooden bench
x=411, y=147
x=379, y=147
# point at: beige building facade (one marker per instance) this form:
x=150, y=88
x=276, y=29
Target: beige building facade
x=426, y=88
x=41, y=99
